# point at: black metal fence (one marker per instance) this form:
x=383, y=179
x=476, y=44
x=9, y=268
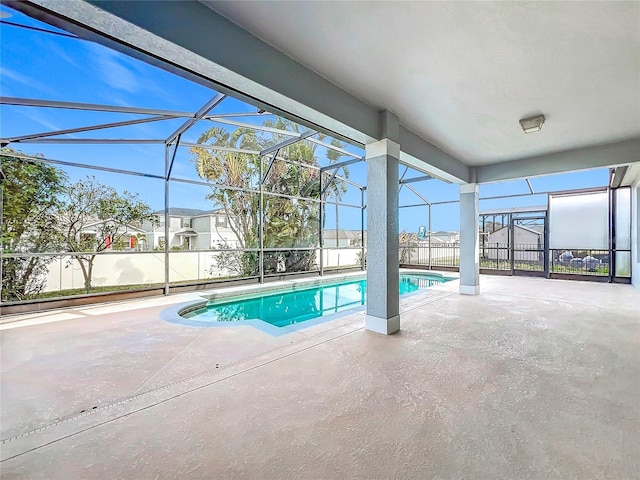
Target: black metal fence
x=581, y=262
x=520, y=256
x=504, y=257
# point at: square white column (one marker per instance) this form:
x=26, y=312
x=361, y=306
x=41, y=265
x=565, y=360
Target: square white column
x=383, y=302
x=469, y=240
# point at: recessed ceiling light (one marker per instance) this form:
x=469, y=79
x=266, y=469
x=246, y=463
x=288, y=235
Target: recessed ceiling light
x=532, y=124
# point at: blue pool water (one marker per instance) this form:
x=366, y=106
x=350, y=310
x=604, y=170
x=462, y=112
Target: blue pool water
x=283, y=309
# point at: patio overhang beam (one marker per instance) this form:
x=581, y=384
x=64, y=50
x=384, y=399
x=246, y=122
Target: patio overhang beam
x=625, y=152
x=89, y=128
x=31, y=102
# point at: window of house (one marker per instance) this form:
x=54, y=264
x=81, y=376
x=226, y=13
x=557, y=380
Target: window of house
x=161, y=242
x=221, y=221
x=186, y=223
x=161, y=220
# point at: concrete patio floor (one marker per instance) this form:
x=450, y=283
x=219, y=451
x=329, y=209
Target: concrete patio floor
x=533, y=378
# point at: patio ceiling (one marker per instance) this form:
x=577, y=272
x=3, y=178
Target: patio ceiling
x=462, y=74
x=459, y=76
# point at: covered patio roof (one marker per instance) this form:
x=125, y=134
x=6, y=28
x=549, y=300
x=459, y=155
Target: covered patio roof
x=458, y=76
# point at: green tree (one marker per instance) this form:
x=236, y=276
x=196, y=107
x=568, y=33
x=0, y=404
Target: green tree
x=93, y=217
x=234, y=178
x=29, y=192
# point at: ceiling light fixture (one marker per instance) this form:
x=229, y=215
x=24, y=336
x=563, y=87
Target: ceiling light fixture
x=532, y=124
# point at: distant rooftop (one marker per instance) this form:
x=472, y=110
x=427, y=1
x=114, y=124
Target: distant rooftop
x=501, y=211
x=187, y=212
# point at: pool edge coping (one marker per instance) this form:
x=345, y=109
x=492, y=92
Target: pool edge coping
x=173, y=313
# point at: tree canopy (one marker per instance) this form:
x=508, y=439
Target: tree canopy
x=235, y=180
x=30, y=193
x=93, y=216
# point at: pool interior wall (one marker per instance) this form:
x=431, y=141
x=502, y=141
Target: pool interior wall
x=175, y=313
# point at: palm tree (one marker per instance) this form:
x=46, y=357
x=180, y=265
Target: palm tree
x=235, y=181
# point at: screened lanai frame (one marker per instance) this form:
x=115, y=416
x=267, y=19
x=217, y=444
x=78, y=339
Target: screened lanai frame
x=618, y=252
x=171, y=143
x=267, y=157
x=328, y=174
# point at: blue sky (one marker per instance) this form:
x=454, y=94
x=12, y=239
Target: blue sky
x=44, y=66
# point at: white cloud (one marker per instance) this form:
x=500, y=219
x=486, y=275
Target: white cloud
x=17, y=77
x=38, y=117
x=60, y=53
x=112, y=71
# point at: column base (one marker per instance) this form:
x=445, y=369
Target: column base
x=385, y=326
x=470, y=289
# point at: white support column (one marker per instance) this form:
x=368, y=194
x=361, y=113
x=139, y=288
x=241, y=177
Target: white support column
x=469, y=240
x=383, y=302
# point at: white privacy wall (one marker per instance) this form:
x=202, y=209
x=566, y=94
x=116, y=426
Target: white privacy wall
x=579, y=221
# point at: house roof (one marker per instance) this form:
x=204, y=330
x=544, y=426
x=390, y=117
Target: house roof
x=504, y=211
x=342, y=233
x=100, y=222
x=187, y=212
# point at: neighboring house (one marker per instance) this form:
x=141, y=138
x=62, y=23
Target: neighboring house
x=524, y=237
x=444, y=237
x=342, y=238
x=133, y=238
x=192, y=229
x=437, y=239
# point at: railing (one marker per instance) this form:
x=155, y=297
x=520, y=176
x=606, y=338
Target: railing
x=502, y=256
x=520, y=256
x=579, y=262
x=438, y=255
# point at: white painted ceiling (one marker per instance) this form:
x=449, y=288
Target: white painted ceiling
x=461, y=74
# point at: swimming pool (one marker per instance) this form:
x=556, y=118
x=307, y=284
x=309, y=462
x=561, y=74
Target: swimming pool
x=287, y=308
